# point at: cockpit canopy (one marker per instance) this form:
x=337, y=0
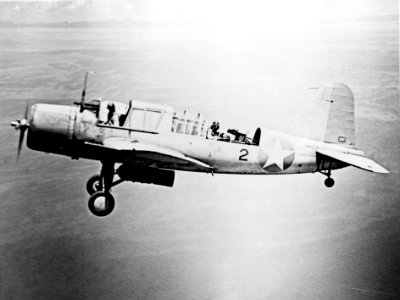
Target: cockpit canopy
x=148, y=117
x=189, y=123
x=157, y=118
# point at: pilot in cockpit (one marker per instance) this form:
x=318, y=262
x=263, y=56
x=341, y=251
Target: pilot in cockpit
x=113, y=117
x=213, y=131
x=214, y=134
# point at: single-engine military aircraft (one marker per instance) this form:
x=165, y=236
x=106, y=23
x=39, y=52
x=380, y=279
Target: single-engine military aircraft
x=149, y=142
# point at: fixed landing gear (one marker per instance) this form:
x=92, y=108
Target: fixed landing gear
x=329, y=182
x=101, y=203
x=94, y=184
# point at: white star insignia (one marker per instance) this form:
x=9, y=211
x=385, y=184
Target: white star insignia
x=276, y=155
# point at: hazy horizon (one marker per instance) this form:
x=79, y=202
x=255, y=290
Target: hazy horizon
x=191, y=11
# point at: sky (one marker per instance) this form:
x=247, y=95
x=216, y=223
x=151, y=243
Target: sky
x=210, y=12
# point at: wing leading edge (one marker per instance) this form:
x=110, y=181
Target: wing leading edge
x=357, y=161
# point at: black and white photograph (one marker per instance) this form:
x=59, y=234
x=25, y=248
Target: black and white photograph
x=188, y=149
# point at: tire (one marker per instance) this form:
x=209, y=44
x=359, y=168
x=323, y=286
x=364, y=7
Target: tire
x=329, y=182
x=101, y=209
x=93, y=184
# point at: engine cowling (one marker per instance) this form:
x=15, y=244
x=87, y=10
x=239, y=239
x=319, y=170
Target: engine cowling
x=51, y=128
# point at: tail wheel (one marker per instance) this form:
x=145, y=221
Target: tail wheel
x=101, y=204
x=329, y=182
x=94, y=184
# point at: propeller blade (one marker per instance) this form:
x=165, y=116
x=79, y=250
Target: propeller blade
x=21, y=125
x=26, y=111
x=20, y=142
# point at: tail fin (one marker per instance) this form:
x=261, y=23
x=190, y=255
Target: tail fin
x=339, y=127
x=332, y=121
x=329, y=117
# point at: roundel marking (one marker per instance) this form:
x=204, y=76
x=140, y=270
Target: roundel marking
x=277, y=155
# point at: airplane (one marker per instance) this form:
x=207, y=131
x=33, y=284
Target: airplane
x=146, y=142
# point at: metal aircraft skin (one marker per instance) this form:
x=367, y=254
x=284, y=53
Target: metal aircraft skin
x=150, y=141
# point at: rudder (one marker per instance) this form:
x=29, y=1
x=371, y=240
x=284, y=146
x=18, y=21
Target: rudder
x=340, y=128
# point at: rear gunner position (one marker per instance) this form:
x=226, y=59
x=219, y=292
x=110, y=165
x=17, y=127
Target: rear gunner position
x=147, y=142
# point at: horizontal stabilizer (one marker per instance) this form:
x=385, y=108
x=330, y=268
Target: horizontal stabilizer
x=358, y=161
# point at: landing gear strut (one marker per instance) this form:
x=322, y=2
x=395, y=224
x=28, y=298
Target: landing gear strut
x=101, y=203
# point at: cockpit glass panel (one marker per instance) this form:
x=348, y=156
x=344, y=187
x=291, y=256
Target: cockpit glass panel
x=189, y=123
x=194, y=130
x=187, y=131
x=152, y=119
x=179, y=128
x=137, y=119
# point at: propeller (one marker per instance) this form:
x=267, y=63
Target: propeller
x=21, y=125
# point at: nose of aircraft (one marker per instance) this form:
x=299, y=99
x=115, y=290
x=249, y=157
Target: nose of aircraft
x=52, y=119
x=50, y=127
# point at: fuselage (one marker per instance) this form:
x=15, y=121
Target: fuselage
x=67, y=131
x=146, y=142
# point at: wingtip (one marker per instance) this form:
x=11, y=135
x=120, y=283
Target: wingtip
x=376, y=168
x=383, y=171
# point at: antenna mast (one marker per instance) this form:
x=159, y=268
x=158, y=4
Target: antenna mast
x=84, y=90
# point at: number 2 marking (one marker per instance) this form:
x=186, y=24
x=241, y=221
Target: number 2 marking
x=244, y=153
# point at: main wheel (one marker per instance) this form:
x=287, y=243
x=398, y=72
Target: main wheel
x=329, y=182
x=94, y=185
x=101, y=204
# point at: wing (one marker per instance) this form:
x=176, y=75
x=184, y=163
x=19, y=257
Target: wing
x=156, y=156
x=358, y=161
